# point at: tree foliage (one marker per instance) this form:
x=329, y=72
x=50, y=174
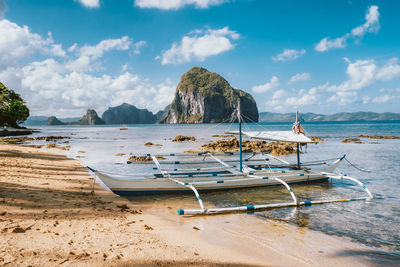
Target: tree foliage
x=12, y=107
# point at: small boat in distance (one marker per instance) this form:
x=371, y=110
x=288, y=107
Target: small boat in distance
x=123, y=127
x=212, y=171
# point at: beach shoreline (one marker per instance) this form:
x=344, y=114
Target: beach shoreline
x=49, y=215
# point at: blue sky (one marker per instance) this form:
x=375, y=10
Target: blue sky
x=66, y=56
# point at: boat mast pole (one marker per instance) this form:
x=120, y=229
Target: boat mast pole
x=298, y=155
x=298, y=144
x=240, y=137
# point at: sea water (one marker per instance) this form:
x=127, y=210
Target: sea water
x=375, y=223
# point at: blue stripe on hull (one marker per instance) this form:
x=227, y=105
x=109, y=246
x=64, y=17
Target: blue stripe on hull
x=187, y=190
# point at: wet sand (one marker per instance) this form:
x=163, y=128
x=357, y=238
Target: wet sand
x=51, y=213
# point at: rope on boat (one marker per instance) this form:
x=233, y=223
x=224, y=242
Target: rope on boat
x=278, y=159
x=354, y=166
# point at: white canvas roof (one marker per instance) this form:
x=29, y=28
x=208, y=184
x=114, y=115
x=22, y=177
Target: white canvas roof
x=287, y=136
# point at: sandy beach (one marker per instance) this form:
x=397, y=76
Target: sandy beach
x=51, y=213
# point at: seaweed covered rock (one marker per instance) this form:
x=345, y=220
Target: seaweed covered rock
x=182, y=138
x=379, y=136
x=352, y=140
x=206, y=97
x=232, y=145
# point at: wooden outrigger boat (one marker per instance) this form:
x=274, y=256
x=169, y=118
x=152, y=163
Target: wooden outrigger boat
x=221, y=172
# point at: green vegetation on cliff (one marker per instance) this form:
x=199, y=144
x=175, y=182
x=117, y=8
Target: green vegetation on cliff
x=12, y=107
x=204, y=97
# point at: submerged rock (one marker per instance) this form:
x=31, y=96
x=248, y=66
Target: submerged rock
x=317, y=139
x=151, y=144
x=143, y=158
x=379, y=136
x=352, y=140
x=26, y=139
x=182, y=138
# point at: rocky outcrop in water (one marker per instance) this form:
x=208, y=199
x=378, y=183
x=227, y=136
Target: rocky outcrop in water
x=90, y=118
x=54, y=121
x=206, y=97
x=128, y=114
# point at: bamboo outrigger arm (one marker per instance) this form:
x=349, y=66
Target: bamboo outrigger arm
x=295, y=203
x=339, y=177
x=166, y=175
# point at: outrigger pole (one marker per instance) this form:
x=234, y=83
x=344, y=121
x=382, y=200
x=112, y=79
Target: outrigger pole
x=240, y=137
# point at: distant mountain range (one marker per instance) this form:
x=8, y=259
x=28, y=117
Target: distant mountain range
x=42, y=120
x=122, y=114
x=134, y=115
x=342, y=116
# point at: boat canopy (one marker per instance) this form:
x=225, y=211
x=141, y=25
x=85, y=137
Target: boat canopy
x=286, y=136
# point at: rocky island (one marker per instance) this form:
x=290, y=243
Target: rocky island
x=128, y=114
x=206, y=97
x=90, y=118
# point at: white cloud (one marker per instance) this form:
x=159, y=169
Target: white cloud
x=343, y=98
x=371, y=25
x=177, y=4
x=124, y=67
x=73, y=47
x=51, y=89
x=276, y=105
x=164, y=94
x=305, y=76
x=389, y=71
x=65, y=86
x=90, y=3
x=366, y=99
x=295, y=100
x=200, y=44
x=382, y=99
x=98, y=50
x=289, y=55
x=395, y=90
x=326, y=44
x=137, y=46
x=304, y=98
x=18, y=42
x=88, y=54
x=273, y=83
x=363, y=73
x=278, y=94
x=3, y=8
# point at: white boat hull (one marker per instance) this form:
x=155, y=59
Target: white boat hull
x=164, y=185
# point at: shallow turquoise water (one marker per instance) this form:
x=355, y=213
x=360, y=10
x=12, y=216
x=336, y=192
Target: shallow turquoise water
x=375, y=223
